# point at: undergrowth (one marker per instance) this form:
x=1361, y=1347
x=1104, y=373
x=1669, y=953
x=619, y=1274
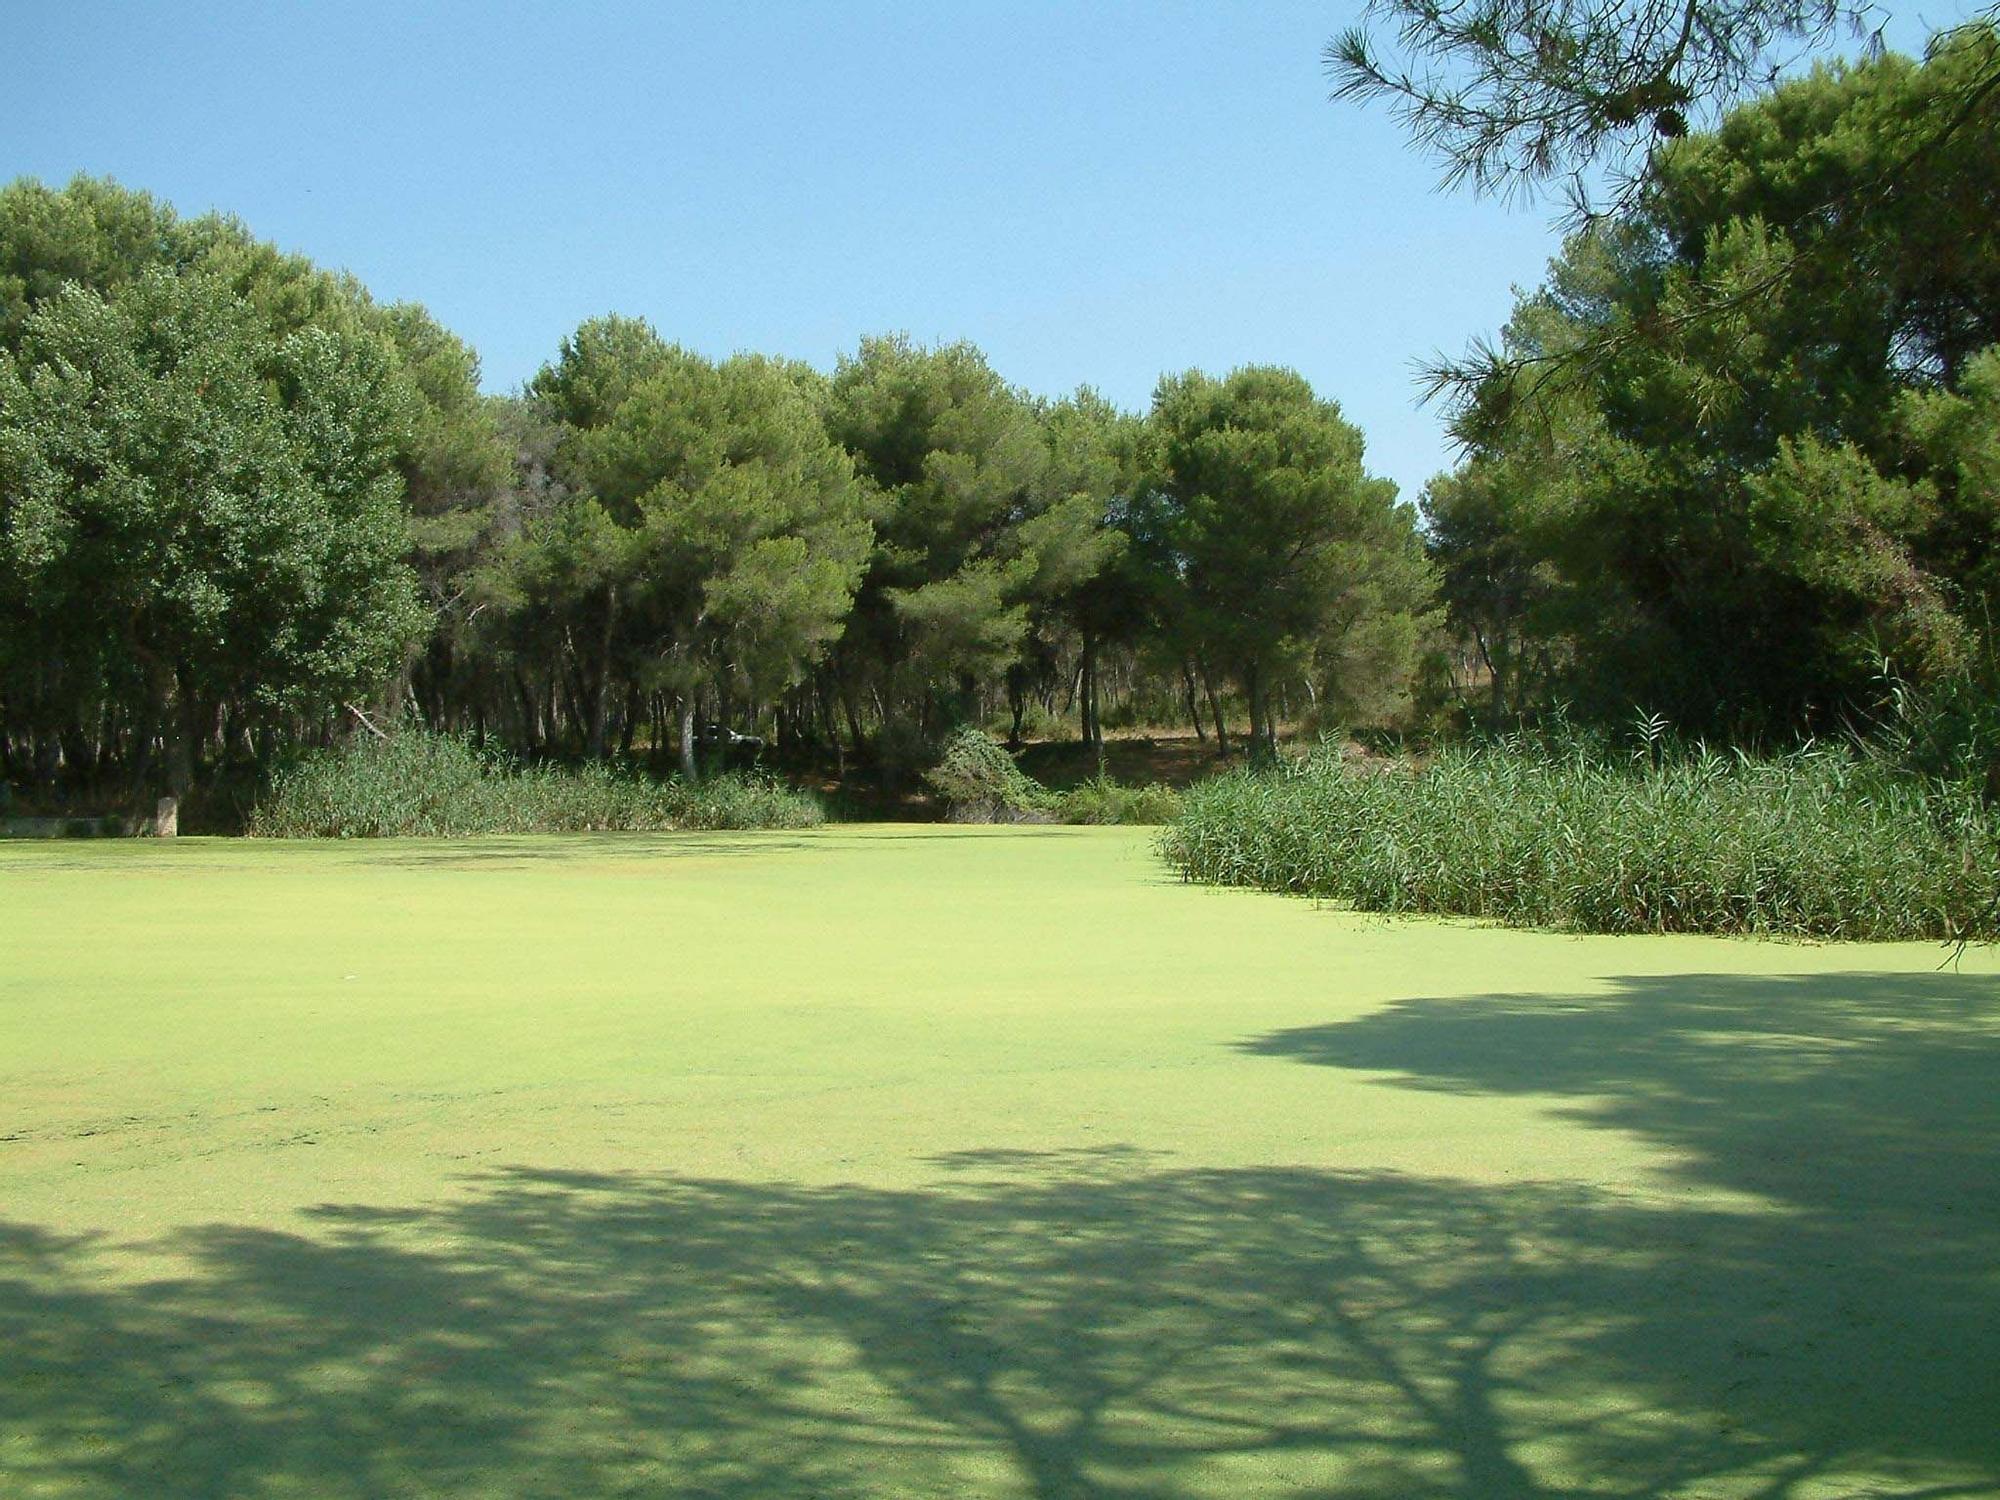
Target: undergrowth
x=1103, y=800
x=979, y=782
x=419, y=784
x=1822, y=842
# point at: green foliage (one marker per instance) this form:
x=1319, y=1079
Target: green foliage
x=980, y=783
x=1819, y=843
x=713, y=534
x=1281, y=549
x=1103, y=800
x=419, y=784
x=194, y=509
x=1509, y=97
x=220, y=463
x=1747, y=450
x=1947, y=733
x=987, y=509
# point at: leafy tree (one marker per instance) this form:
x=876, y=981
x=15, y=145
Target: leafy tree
x=1083, y=586
x=721, y=530
x=99, y=236
x=197, y=510
x=640, y=532
x=975, y=532
x=598, y=368
x=1279, y=540
x=1512, y=94
x=1728, y=510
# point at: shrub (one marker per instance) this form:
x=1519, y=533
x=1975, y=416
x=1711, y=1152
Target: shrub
x=421, y=784
x=980, y=783
x=1819, y=843
x=1102, y=800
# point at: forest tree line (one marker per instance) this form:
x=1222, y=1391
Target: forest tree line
x=248, y=508
x=1737, y=465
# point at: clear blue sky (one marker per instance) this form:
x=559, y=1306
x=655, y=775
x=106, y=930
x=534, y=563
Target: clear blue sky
x=1092, y=193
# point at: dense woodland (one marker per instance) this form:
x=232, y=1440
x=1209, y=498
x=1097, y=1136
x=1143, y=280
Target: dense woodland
x=248, y=508
x=1738, y=466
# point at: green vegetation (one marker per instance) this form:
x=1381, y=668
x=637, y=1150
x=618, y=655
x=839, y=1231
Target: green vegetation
x=979, y=782
x=915, y=1161
x=1819, y=843
x=927, y=1160
x=1102, y=799
x=414, y=783
x=239, y=499
x=1742, y=444
x=1733, y=463
x=1289, y=561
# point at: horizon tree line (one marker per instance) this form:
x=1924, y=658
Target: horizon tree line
x=245, y=508
x=1732, y=466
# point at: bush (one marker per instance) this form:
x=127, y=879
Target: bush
x=980, y=783
x=418, y=784
x=1102, y=800
x=1817, y=843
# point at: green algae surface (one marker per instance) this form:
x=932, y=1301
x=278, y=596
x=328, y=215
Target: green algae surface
x=921, y=1161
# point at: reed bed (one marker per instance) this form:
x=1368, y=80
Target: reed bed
x=1824, y=842
x=425, y=785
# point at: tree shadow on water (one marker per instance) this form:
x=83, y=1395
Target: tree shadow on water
x=1862, y=1108
x=1071, y=1326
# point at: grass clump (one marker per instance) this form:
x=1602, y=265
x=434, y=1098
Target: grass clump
x=1819, y=843
x=415, y=784
x=1103, y=800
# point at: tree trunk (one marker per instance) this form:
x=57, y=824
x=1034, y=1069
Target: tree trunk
x=600, y=698
x=1215, y=710
x=1254, y=688
x=689, y=769
x=181, y=726
x=629, y=727
x=1193, y=709
x=1093, y=734
x=850, y=701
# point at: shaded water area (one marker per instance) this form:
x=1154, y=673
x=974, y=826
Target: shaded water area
x=1802, y=1298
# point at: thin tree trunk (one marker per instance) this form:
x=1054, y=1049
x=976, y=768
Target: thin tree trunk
x=628, y=727
x=1215, y=710
x=1193, y=709
x=1086, y=693
x=850, y=701
x=600, y=699
x=1260, y=712
x=182, y=726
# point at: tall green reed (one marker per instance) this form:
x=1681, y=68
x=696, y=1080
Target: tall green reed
x=419, y=784
x=1820, y=842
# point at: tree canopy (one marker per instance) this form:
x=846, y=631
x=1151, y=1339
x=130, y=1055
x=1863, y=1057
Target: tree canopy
x=244, y=507
x=1740, y=508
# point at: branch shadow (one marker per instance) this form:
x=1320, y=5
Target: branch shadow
x=1077, y=1325
x=1863, y=1108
